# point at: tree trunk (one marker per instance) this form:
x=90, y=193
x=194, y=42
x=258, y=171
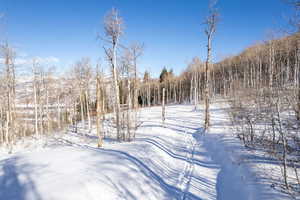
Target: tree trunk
x=35, y=105
x=148, y=95
x=129, y=111
x=81, y=110
x=207, y=82
x=88, y=110
x=58, y=112
x=163, y=107
x=99, y=106
x=48, y=112
x=117, y=92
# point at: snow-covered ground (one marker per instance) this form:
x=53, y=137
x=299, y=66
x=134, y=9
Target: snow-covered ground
x=174, y=161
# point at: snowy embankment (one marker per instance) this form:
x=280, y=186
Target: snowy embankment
x=174, y=161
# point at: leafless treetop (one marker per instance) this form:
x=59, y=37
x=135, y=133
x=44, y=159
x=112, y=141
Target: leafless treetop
x=113, y=25
x=212, y=18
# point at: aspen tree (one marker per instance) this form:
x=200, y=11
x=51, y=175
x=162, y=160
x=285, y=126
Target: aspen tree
x=34, y=82
x=99, y=108
x=136, y=51
x=211, y=23
x=113, y=26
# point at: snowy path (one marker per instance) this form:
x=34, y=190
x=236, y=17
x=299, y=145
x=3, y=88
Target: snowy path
x=172, y=162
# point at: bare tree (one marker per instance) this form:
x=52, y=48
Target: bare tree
x=99, y=106
x=9, y=83
x=127, y=69
x=82, y=76
x=211, y=23
x=35, y=93
x=113, y=26
x=48, y=85
x=136, y=50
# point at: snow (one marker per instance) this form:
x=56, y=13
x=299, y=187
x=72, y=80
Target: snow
x=174, y=161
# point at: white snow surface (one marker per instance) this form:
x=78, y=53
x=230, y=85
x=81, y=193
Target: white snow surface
x=176, y=160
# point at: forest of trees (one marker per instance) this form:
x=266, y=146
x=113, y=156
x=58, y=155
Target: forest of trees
x=36, y=102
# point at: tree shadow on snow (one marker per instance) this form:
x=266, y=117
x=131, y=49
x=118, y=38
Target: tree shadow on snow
x=178, y=156
x=171, y=191
x=16, y=183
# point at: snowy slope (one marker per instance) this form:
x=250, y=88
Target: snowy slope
x=175, y=161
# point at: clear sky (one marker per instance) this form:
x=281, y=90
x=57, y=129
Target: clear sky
x=63, y=31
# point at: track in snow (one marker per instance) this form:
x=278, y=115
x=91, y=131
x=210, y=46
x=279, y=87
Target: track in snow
x=170, y=162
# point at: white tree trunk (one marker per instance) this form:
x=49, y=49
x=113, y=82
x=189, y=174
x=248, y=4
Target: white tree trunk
x=163, y=107
x=88, y=110
x=35, y=105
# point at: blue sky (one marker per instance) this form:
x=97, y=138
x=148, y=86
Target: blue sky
x=65, y=30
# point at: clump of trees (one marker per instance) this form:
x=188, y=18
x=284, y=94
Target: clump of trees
x=263, y=83
x=31, y=103
x=124, y=77
x=38, y=103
